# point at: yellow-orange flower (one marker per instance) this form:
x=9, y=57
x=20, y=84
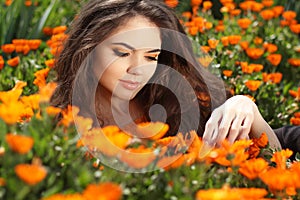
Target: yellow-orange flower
x=244, y=23
x=67, y=115
x=58, y=30
x=227, y=193
x=46, y=92
x=138, y=158
x=31, y=174
x=51, y=110
x=254, y=53
x=102, y=191
x=11, y=112
x=13, y=62
x=207, y=5
x=253, y=85
x=50, y=63
x=253, y=167
x=152, y=131
x=40, y=77
x=213, y=43
x=19, y=143
x=280, y=158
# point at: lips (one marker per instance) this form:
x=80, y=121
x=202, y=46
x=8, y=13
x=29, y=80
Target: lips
x=129, y=85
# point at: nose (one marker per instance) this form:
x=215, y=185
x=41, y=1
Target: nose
x=136, y=64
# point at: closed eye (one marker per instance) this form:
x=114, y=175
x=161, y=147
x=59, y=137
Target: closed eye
x=120, y=53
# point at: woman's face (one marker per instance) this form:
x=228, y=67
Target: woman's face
x=126, y=61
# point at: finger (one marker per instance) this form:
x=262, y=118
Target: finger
x=235, y=128
x=245, y=129
x=210, y=126
x=224, y=127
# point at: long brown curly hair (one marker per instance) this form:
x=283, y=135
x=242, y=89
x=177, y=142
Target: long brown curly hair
x=95, y=23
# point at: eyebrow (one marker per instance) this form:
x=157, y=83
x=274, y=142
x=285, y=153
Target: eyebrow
x=132, y=48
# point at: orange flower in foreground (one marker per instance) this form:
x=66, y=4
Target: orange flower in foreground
x=13, y=62
x=226, y=193
x=12, y=112
x=171, y=3
x=252, y=168
x=67, y=115
x=152, y=131
x=274, y=59
x=102, y=191
x=278, y=10
x=53, y=111
x=253, y=85
x=138, y=158
x=30, y=173
x=8, y=48
x=267, y=14
x=281, y=157
x=19, y=143
x=254, y=53
x=46, y=91
x=244, y=23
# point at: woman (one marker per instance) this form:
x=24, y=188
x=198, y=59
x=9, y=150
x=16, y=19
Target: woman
x=127, y=61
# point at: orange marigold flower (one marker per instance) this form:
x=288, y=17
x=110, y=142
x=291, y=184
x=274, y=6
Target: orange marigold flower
x=138, y=158
x=295, y=28
x=8, y=2
x=19, y=143
x=1, y=62
x=267, y=14
x=50, y=63
x=289, y=15
x=274, y=59
x=40, y=77
x=48, y=30
x=11, y=113
x=226, y=193
x=187, y=15
x=213, y=43
x=59, y=30
x=171, y=3
x=295, y=94
x=244, y=23
x=109, y=191
x=281, y=157
x=31, y=174
x=205, y=49
x=67, y=115
x=234, y=39
x=271, y=48
x=257, y=7
x=273, y=77
x=244, y=45
x=278, y=10
x=20, y=42
x=51, y=110
x=205, y=60
x=13, y=62
x=8, y=48
x=258, y=40
x=252, y=168
x=253, y=85
x=2, y=182
x=235, y=12
x=196, y=2
x=227, y=73
x=220, y=28
x=207, y=5
x=294, y=62
x=34, y=44
x=152, y=131
x=254, y=53
x=225, y=41
x=295, y=121
x=28, y=3
x=208, y=25
x=47, y=91
x=267, y=3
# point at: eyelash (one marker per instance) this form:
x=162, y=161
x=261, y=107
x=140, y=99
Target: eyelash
x=121, y=54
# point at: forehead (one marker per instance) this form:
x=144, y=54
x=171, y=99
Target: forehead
x=138, y=32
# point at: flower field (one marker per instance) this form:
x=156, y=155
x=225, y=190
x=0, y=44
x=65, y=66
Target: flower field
x=254, y=46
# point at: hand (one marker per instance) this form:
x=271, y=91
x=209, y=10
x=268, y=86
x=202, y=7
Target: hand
x=232, y=120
